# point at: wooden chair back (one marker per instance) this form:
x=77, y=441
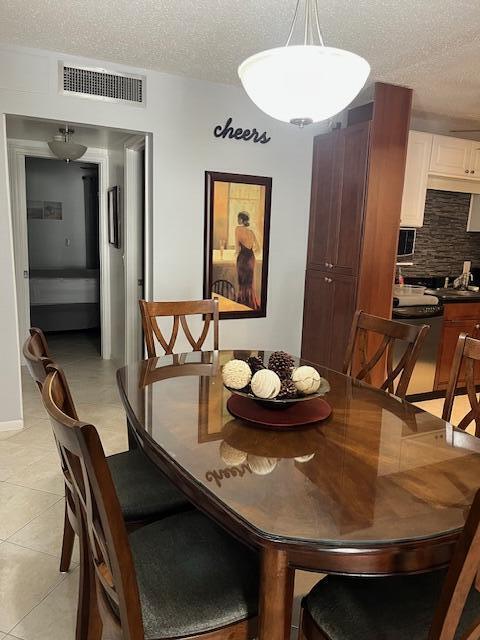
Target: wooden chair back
x=178, y=311
x=466, y=357
x=387, y=332
x=37, y=357
x=102, y=527
x=224, y=288
x=462, y=574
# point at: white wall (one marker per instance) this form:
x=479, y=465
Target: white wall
x=57, y=181
x=181, y=114
x=11, y=415
x=116, y=169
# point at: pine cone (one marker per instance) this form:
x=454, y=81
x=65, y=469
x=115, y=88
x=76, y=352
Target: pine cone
x=282, y=363
x=288, y=390
x=255, y=363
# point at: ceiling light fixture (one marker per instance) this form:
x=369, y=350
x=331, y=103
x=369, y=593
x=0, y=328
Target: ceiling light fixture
x=304, y=83
x=63, y=146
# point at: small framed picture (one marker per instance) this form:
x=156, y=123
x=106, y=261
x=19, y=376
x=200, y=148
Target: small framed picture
x=52, y=211
x=237, y=228
x=113, y=199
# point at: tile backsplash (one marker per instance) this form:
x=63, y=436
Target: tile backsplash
x=443, y=243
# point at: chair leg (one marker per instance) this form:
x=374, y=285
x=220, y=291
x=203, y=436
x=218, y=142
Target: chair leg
x=67, y=542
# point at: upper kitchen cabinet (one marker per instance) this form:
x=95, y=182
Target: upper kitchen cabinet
x=416, y=177
x=455, y=157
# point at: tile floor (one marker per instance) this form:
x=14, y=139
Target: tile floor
x=36, y=601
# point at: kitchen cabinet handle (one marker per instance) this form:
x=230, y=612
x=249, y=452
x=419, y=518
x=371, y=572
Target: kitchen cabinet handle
x=329, y=265
x=327, y=279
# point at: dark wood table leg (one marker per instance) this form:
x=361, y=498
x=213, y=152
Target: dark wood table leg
x=276, y=595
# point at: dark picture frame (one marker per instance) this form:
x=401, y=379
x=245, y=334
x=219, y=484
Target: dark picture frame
x=113, y=206
x=235, y=273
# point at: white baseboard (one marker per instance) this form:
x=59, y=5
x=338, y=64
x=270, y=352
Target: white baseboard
x=10, y=425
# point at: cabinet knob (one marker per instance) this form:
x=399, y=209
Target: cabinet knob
x=327, y=279
x=477, y=326
x=330, y=265
x=466, y=171
x=472, y=171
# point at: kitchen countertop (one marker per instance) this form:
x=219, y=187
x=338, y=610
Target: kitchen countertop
x=448, y=296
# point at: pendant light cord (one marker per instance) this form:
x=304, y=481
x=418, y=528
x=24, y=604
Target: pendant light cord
x=311, y=24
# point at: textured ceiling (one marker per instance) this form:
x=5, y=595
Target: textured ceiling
x=432, y=46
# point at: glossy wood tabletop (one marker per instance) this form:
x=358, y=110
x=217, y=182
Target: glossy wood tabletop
x=380, y=487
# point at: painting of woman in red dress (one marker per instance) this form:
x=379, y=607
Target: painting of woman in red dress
x=246, y=244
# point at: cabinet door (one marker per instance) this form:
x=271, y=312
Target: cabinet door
x=475, y=160
x=416, y=177
x=451, y=156
x=448, y=343
x=346, y=222
x=337, y=200
x=327, y=318
x=323, y=171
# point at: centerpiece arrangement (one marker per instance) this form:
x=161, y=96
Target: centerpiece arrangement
x=276, y=383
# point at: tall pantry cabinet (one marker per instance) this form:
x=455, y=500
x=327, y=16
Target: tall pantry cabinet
x=357, y=185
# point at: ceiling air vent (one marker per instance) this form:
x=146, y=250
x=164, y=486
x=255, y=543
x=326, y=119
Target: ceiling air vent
x=102, y=85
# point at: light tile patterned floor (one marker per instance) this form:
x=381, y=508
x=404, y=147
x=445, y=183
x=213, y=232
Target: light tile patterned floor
x=36, y=601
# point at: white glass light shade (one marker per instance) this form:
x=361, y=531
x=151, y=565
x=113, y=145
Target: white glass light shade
x=303, y=83
x=67, y=150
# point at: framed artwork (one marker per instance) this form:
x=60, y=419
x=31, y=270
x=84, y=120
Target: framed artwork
x=237, y=230
x=113, y=200
x=52, y=211
x=44, y=210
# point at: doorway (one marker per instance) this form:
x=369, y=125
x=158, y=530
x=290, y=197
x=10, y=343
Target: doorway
x=63, y=249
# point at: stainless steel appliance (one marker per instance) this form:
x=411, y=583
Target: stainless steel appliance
x=423, y=375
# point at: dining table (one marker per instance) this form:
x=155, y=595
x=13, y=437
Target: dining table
x=378, y=488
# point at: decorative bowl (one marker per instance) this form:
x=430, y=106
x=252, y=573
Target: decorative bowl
x=283, y=403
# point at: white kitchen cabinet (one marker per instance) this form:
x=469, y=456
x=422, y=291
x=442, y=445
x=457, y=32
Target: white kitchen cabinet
x=455, y=157
x=416, y=177
x=475, y=159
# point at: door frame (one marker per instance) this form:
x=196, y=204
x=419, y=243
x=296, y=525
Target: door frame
x=132, y=215
x=18, y=150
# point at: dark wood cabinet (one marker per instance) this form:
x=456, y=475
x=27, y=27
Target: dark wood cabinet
x=340, y=164
x=458, y=318
x=329, y=308
x=357, y=185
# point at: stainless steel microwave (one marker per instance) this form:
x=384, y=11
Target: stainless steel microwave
x=406, y=245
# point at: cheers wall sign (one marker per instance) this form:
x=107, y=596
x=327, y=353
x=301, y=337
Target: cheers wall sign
x=228, y=131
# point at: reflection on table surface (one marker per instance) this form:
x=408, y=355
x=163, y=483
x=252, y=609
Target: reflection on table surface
x=378, y=470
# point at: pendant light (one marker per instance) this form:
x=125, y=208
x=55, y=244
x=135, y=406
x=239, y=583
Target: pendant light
x=64, y=147
x=304, y=83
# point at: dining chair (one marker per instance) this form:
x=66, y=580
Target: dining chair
x=440, y=605
x=144, y=493
x=181, y=577
x=465, y=359
x=179, y=311
x=360, y=365
x=224, y=288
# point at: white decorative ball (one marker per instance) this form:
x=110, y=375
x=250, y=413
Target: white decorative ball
x=236, y=374
x=230, y=455
x=305, y=458
x=261, y=466
x=266, y=384
x=306, y=379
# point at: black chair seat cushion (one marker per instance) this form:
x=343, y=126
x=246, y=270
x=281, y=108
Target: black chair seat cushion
x=192, y=576
x=143, y=491
x=396, y=608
